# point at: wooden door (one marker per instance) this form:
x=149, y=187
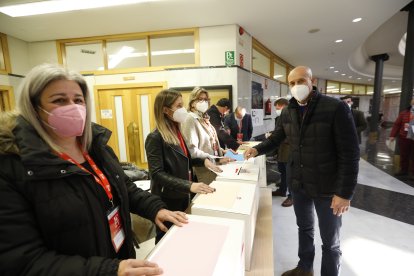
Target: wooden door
x=129, y=113
x=6, y=98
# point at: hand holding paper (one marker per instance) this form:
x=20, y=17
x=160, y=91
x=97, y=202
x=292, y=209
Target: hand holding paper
x=235, y=156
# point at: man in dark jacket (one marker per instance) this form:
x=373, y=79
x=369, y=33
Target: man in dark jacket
x=240, y=124
x=359, y=118
x=323, y=165
x=217, y=113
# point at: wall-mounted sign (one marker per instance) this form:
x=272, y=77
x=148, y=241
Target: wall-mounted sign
x=241, y=57
x=106, y=113
x=229, y=58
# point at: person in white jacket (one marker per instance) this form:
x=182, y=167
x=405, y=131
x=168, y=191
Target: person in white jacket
x=200, y=135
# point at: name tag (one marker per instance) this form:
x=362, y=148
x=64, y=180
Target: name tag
x=115, y=226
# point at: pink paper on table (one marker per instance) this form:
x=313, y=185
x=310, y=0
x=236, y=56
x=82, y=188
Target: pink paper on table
x=223, y=197
x=192, y=250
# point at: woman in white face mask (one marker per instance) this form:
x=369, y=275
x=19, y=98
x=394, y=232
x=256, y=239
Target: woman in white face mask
x=200, y=135
x=169, y=160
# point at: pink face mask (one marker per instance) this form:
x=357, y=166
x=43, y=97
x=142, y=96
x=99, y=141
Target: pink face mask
x=67, y=120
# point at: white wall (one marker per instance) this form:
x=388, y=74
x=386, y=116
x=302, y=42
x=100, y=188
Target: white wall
x=19, y=55
x=41, y=52
x=244, y=47
x=4, y=80
x=214, y=42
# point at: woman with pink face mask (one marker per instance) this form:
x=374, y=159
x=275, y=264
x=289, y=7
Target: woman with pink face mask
x=169, y=160
x=66, y=200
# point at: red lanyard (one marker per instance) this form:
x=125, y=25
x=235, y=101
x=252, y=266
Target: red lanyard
x=100, y=178
x=182, y=144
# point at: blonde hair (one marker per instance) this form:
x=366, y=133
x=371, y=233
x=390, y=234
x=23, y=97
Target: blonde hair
x=32, y=88
x=194, y=96
x=166, y=98
x=7, y=139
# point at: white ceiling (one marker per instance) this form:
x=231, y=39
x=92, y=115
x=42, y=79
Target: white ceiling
x=281, y=25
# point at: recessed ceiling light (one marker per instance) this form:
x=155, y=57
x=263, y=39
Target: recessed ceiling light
x=358, y=78
x=343, y=74
x=350, y=77
x=312, y=31
x=336, y=71
x=45, y=7
x=331, y=67
x=357, y=19
x=338, y=41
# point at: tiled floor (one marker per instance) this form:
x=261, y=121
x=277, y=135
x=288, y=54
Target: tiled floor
x=378, y=231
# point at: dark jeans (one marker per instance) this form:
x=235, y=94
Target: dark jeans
x=406, y=154
x=281, y=166
x=329, y=227
x=173, y=204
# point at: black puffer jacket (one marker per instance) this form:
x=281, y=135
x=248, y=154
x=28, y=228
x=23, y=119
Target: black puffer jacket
x=169, y=167
x=47, y=225
x=324, y=146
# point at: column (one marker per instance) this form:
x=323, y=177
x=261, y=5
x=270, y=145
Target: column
x=408, y=69
x=379, y=67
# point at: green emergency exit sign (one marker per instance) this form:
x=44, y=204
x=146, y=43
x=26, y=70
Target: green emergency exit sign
x=229, y=58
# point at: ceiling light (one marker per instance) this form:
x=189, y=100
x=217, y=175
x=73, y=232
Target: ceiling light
x=350, y=77
x=331, y=67
x=45, y=7
x=401, y=44
x=336, y=71
x=172, y=52
x=393, y=92
x=312, y=31
x=358, y=78
x=391, y=89
x=338, y=41
x=343, y=74
x=277, y=76
x=357, y=19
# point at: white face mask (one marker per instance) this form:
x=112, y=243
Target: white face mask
x=300, y=92
x=180, y=115
x=202, y=106
x=278, y=112
x=350, y=105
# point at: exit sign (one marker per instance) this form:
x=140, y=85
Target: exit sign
x=229, y=58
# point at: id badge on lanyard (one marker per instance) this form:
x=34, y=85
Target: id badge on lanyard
x=116, y=229
x=239, y=136
x=215, y=148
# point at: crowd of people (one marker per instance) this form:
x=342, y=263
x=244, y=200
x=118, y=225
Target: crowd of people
x=67, y=201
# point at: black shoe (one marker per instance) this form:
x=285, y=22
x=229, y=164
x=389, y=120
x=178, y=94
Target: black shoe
x=278, y=192
x=288, y=202
x=297, y=272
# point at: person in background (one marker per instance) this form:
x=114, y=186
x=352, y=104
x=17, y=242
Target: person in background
x=217, y=113
x=406, y=145
x=359, y=118
x=201, y=136
x=169, y=161
x=240, y=124
x=66, y=200
x=282, y=158
x=323, y=167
